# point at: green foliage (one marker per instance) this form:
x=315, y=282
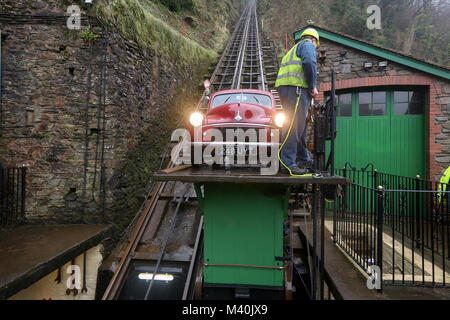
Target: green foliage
x=352, y=17
x=135, y=20
x=414, y=27
x=178, y=5
x=88, y=34
x=46, y=135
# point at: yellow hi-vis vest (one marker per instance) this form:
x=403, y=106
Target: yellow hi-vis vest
x=291, y=70
x=443, y=185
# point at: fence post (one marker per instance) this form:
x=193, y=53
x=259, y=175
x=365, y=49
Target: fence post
x=375, y=184
x=375, y=178
x=380, y=235
x=344, y=188
x=335, y=212
x=24, y=182
x=418, y=212
x=343, y=205
x=334, y=216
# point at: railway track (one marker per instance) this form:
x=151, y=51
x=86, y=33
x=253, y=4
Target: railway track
x=162, y=256
x=242, y=65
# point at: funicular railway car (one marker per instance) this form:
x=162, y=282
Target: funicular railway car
x=236, y=123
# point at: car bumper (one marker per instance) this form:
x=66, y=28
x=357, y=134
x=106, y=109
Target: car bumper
x=236, y=148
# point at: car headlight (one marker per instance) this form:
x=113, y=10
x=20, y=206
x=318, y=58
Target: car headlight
x=196, y=119
x=279, y=119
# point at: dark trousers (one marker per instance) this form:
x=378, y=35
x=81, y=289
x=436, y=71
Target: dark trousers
x=295, y=144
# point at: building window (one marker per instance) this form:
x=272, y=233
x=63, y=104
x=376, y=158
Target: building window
x=372, y=103
x=408, y=102
x=385, y=103
x=345, y=105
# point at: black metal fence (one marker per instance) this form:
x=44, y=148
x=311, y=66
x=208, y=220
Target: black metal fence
x=403, y=227
x=12, y=196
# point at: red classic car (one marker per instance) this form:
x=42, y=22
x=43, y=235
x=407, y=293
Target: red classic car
x=252, y=111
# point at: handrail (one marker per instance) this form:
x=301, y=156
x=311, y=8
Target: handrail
x=348, y=163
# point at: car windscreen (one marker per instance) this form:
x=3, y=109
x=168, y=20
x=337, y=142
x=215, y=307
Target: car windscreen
x=252, y=98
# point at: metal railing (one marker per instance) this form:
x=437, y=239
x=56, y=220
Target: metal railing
x=400, y=224
x=12, y=196
x=357, y=227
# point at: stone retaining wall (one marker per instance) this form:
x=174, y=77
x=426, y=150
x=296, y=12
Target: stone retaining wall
x=46, y=99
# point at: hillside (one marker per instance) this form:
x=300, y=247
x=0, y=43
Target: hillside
x=414, y=27
x=158, y=25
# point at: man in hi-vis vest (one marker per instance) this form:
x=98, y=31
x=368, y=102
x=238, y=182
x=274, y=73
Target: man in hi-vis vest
x=296, y=84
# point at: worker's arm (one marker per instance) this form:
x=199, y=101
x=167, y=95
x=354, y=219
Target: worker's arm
x=307, y=52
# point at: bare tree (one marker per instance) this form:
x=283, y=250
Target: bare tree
x=418, y=7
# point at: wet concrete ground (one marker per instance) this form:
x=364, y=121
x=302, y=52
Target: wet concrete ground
x=28, y=253
x=350, y=283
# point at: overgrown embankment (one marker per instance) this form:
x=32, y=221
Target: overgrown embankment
x=90, y=111
x=178, y=66
x=153, y=26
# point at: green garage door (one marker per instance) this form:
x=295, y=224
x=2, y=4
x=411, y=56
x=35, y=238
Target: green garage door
x=383, y=127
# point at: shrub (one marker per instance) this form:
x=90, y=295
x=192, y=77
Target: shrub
x=178, y=5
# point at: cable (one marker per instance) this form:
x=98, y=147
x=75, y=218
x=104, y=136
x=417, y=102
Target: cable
x=86, y=124
x=287, y=136
x=100, y=110
x=102, y=170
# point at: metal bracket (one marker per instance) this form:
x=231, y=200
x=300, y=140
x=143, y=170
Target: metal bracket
x=286, y=258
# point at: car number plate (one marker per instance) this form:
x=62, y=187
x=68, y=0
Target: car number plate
x=239, y=150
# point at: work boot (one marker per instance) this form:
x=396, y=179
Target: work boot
x=294, y=170
x=306, y=165
x=298, y=171
x=283, y=169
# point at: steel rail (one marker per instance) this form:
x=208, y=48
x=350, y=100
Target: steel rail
x=240, y=62
x=166, y=241
x=113, y=289
x=234, y=43
x=239, y=41
x=116, y=282
x=243, y=58
x=193, y=260
x=249, y=56
x=249, y=53
x=260, y=55
x=227, y=49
